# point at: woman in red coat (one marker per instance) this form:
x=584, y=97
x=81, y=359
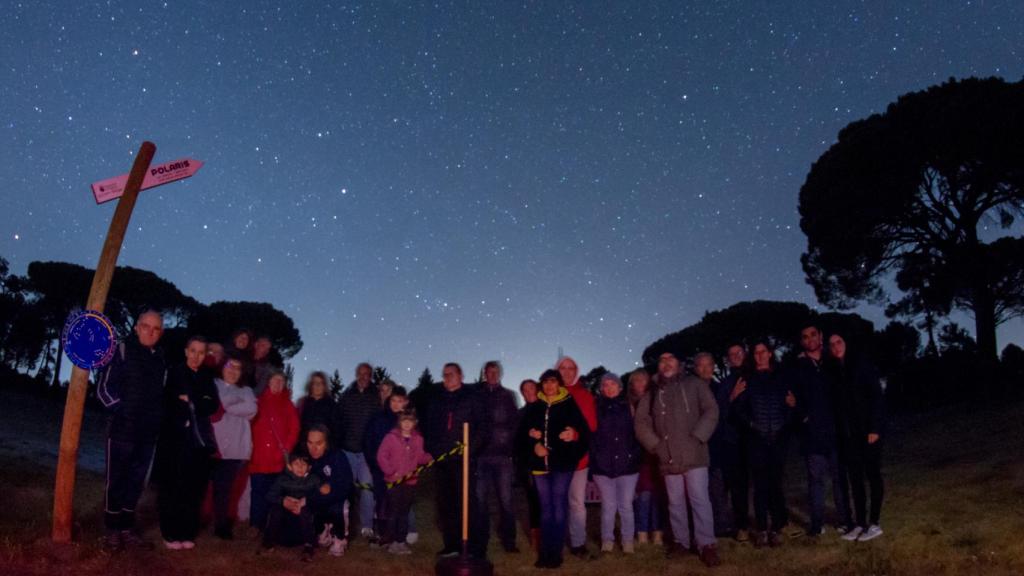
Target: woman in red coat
x=274, y=432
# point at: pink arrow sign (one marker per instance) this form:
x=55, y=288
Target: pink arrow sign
x=106, y=190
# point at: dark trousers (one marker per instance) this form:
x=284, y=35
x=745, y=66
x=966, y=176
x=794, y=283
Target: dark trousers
x=728, y=485
x=283, y=526
x=494, y=476
x=223, y=478
x=767, y=463
x=334, y=515
x=128, y=462
x=181, y=495
x=449, y=509
x=553, y=492
x=259, y=508
x=819, y=468
x=865, y=462
x=395, y=513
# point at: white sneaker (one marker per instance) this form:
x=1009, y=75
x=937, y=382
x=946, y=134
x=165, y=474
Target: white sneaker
x=188, y=545
x=412, y=538
x=852, y=534
x=366, y=532
x=173, y=545
x=873, y=531
x=326, y=537
x=338, y=546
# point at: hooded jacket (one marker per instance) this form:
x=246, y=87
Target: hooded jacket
x=399, y=455
x=551, y=416
x=675, y=419
x=274, y=432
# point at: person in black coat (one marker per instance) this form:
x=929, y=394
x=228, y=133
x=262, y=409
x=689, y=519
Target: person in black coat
x=457, y=404
x=131, y=389
x=815, y=415
x=615, y=457
x=860, y=426
x=556, y=435
x=319, y=407
x=377, y=428
x=764, y=409
x=186, y=446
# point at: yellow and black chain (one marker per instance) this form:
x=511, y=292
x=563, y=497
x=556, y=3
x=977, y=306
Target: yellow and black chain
x=457, y=449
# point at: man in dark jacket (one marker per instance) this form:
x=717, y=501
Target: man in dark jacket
x=453, y=406
x=495, y=469
x=359, y=403
x=186, y=447
x=728, y=471
x=815, y=412
x=132, y=391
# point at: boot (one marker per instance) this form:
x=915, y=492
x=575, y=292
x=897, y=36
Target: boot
x=641, y=538
x=535, y=539
x=656, y=538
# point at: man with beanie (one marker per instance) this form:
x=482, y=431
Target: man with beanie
x=674, y=420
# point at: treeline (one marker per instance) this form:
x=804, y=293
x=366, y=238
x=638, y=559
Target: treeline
x=34, y=308
x=942, y=371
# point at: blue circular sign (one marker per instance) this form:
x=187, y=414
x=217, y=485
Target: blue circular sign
x=89, y=339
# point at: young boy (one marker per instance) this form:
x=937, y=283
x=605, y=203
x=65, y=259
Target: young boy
x=400, y=454
x=288, y=498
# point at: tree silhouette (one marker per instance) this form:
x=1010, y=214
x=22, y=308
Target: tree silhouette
x=910, y=191
x=218, y=320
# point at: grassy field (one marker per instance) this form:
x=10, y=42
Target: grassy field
x=955, y=505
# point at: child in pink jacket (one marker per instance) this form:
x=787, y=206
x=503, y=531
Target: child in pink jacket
x=399, y=454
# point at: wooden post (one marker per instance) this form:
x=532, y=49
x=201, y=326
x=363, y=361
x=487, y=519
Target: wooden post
x=465, y=487
x=63, y=492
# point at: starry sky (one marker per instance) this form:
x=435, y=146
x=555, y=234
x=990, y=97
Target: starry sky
x=415, y=183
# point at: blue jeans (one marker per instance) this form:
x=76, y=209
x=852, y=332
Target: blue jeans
x=820, y=466
x=578, y=508
x=617, y=496
x=495, y=475
x=361, y=474
x=553, y=493
x=691, y=488
x=647, y=511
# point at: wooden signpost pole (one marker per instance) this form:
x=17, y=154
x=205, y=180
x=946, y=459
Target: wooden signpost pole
x=63, y=493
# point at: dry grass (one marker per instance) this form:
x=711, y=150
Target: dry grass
x=955, y=505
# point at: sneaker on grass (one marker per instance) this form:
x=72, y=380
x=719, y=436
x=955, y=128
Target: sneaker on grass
x=412, y=538
x=173, y=545
x=873, y=531
x=852, y=534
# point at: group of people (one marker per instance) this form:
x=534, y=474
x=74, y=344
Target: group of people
x=682, y=444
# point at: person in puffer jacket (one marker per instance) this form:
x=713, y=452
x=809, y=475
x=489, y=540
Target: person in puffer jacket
x=615, y=457
x=764, y=408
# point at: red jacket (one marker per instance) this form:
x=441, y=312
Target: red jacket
x=588, y=406
x=398, y=456
x=274, y=432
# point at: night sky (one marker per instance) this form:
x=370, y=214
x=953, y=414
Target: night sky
x=461, y=181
